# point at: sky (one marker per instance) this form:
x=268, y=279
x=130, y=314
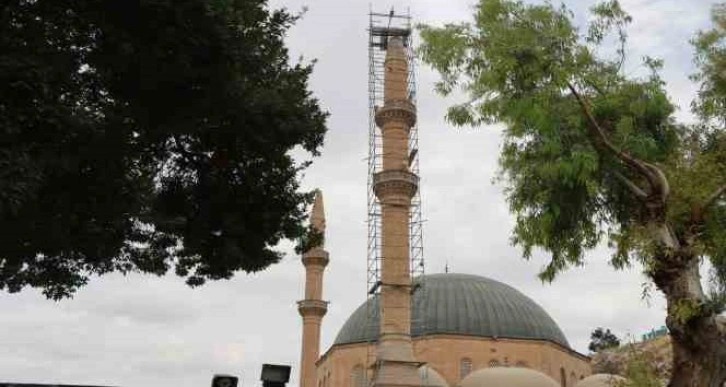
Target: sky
x=150, y=331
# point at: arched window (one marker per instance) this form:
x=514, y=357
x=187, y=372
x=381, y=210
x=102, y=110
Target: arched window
x=358, y=376
x=494, y=363
x=464, y=367
x=573, y=377
x=563, y=377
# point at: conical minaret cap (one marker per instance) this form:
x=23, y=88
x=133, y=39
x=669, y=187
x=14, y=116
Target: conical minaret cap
x=317, y=215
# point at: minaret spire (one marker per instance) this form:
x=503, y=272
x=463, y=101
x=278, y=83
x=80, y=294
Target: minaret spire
x=312, y=308
x=317, y=214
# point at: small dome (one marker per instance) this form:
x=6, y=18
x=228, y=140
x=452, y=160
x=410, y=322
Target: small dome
x=509, y=377
x=431, y=378
x=601, y=380
x=462, y=304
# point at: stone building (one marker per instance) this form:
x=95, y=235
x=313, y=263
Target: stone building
x=436, y=330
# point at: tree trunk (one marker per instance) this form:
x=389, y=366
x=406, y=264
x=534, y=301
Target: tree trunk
x=704, y=368
x=698, y=340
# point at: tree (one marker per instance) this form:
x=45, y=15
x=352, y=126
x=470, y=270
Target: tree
x=148, y=136
x=602, y=339
x=593, y=154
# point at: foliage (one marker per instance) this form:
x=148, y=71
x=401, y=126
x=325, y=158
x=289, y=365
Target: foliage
x=640, y=370
x=710, y=59
x=591, y=154
x=602, y=339
x=584, y=144
x=144, y=136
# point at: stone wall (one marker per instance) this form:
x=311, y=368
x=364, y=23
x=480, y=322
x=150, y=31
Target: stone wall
x=453, y=355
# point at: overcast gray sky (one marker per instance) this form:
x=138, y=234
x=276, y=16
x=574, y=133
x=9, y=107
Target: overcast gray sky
x=149, y=331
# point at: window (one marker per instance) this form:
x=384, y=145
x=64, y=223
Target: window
x=563, y=378
x=522, y=364
x=464, y=367
x=494, y=363
x=358, y=376
x=573, y=377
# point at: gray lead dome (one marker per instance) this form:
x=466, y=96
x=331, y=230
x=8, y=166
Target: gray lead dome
x=462, y=304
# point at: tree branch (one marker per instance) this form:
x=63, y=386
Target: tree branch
x=634, y=189
x=713, y=197
x=653, y=174
x=663, y=186
x=699, y=210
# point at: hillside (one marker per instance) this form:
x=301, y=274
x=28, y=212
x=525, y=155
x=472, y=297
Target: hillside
x=656, y=353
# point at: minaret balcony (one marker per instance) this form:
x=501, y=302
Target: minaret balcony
x=315, y=257
x=396, y=110
x=392, y=186
x=312, y=307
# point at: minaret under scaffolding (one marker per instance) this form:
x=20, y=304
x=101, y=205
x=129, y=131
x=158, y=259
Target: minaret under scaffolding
x=395, y=186
x=313, y=308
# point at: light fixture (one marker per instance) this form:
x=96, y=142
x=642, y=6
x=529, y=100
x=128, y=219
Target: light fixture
x=275, y=375
x=224, y=381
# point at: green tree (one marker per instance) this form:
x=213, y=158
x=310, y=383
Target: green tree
x=148, y=136
x=591, y=154
x=602, y=339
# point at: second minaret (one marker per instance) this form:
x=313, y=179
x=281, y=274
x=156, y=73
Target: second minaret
x=313, y=308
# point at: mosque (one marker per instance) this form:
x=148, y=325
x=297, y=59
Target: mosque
x=437, y=330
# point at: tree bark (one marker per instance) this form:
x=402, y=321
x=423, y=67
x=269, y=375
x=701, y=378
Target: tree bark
x=698, y=340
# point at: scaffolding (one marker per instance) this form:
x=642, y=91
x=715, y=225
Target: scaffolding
x=382, y=26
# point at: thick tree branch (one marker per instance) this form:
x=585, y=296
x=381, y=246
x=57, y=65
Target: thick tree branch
x=663, y=187
x=655, y=177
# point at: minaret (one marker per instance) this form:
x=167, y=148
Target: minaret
x=313, y=308
x=395, y=185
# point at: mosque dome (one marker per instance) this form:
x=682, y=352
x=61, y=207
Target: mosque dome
x=461, y=304
x=601, y=380
x=506, y=376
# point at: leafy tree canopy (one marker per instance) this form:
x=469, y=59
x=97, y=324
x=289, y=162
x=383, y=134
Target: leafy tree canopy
x=571, y=184
x=592, y=154
x=145, y=136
